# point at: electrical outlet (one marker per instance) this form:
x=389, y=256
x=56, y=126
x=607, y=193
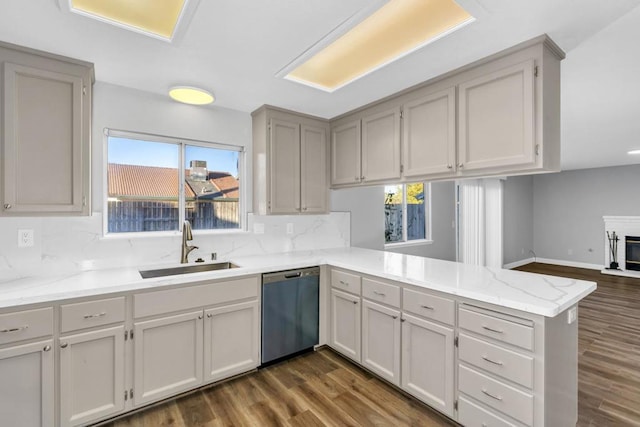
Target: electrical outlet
x=572, y=314
x=289, y=228
x=25, y=238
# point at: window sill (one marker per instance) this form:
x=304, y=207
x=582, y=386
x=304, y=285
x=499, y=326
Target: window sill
x=408, y=244
x=174, y=233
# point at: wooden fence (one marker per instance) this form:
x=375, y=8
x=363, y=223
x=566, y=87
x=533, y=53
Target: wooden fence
x=153, y=215
x=393, y=222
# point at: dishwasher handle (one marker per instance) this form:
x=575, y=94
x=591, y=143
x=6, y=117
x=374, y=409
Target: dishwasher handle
x=293, y=275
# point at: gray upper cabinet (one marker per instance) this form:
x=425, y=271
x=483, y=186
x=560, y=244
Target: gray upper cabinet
x=345, y=153
x=381, y=145
x=290, y=163
x=496, y=118
x=429, y=135
x=46, y=108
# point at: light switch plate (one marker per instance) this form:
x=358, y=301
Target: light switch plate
x=572, y=314
x=25, y=238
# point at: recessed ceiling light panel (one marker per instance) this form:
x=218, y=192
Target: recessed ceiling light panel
x=191, y=95
x=159, y=19
x=396, y=29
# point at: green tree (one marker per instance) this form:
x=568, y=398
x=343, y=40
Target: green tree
x=414, y=190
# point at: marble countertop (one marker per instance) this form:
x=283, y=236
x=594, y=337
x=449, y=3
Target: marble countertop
x=531, y=293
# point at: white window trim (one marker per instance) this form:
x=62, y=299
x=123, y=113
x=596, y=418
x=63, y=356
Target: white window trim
x=427, y=221
x=181, y=142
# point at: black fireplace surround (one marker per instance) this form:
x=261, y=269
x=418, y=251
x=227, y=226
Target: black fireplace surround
x=632, y=253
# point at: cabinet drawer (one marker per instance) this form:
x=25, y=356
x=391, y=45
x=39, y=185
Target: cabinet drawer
x=91, y=313
x=500, y=329
x=429, y=306
x=472, y=415
x=381, y=292
x=24, y=325
x=345, y=281
x=504, y=398
x=508, y=364
x=161, y=302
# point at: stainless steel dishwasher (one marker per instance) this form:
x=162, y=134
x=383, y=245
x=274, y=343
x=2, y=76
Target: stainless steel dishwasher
x=289, y=312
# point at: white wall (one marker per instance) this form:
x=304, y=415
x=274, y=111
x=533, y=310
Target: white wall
x=569, y=206
x=517, y=215
x=366, y=205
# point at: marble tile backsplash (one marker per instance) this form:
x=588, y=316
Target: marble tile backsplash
x=63, y=245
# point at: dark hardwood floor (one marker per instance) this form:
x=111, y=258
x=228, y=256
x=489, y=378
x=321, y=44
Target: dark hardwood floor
x=323, y=389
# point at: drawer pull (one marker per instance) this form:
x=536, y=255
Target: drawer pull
x=342, y=282
x=46, y=348
x=394, y=317
x=426, y=307
x=492, y=361
x=19, y=328
x=64, y=345
x=492, y=395
x=93, y=316
x=379, y=293
x=497, y=331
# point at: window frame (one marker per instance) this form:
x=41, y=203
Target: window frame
x=181, y=143
x=427, y=219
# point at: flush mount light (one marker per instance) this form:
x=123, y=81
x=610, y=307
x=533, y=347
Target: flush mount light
x=394, y=30
x=633, y=152
x=158, y=19
x=191, y=95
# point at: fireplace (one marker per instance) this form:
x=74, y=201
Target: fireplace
x=632, y=252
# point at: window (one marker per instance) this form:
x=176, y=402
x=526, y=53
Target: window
x=406, y=213
x=145, y=191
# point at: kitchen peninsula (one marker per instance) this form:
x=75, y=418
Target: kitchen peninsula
x=473, y=342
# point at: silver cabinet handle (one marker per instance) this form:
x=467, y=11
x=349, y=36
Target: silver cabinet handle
x=64, y=345
x=46, y=348
x=492, y=361
x=449, y=166
x=342, y=282
x=379, y=293
x=209, y=315
x=200, y=317
x=403, y=320
x=7, y=206
x=394, y=317
x=493, y=396
x=93, y=316
x=355, y=302
x=362, y=178
x=460, y=165
x=426, y=307
x=497, y=331
x=9, y=330
x=304, y=209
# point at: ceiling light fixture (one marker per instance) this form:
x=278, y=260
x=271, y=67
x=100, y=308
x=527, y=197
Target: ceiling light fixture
x=396, y=29
x=158, y=19
x=633, y=152
x=191, y=95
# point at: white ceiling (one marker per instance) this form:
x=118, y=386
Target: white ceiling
x=235, y=48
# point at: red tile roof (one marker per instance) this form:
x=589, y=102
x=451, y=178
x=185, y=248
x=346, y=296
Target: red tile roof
x=157, y=182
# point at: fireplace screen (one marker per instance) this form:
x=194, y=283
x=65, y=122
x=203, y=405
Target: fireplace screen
x=632, y=244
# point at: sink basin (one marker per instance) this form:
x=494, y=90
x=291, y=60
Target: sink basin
x=186, y=269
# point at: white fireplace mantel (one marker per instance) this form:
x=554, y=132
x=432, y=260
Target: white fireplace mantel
x=623, y=226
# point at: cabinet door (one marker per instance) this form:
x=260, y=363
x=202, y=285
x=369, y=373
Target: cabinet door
x=427, y=362
x=313, y=175
x=345, y=153
x=381, y=145
x=91, y=375
x=284, y=167
x=345, y=324
x=231, y=340
x=43, y=138
x=496, y=119
x=167, y=356
x=381, y=340
x=429, y=135
x=26, y=385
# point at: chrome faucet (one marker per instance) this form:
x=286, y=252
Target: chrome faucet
x=186, y=236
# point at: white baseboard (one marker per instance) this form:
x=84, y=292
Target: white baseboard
x=569, y=263
x=518, y=263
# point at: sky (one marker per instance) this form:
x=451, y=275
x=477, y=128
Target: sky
x=148, y=153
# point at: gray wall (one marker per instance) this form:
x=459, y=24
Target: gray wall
x=517, y=236
x=366, y=205
x=569, y=206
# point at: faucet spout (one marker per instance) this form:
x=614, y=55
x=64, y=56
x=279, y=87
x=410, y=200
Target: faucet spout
x=187, y=236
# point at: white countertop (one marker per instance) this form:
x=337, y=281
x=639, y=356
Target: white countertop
x=531, y=293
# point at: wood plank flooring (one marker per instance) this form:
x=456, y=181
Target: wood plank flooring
x=323, y=389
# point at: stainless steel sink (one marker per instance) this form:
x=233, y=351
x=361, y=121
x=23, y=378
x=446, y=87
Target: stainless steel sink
x=186, y=269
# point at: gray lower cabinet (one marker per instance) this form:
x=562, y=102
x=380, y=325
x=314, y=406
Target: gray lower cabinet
x=92, y=375
x=381, y=340
x=54, y=93
x=345, y=324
